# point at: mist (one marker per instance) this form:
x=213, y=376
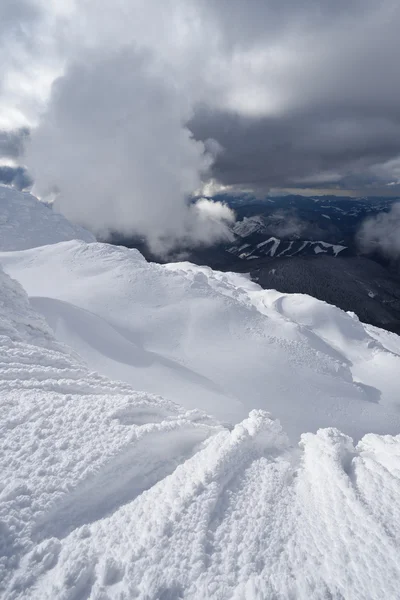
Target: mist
x=381, y=234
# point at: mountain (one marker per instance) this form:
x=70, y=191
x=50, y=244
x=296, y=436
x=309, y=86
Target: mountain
x=171, y=431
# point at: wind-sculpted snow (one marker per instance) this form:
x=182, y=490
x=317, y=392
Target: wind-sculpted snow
x=74, y=445
x=214, y=341
x=107, y=493
x=246, y=517
x=26, y=223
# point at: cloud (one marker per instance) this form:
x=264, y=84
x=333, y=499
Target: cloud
x=15, y=176
x=284, y=224
x=381, y=234
x=114, y=150
x=297, y=95
x=12, y=143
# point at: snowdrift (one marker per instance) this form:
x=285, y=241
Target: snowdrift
x=110, y=493
x=214, y=341
x=26, y=223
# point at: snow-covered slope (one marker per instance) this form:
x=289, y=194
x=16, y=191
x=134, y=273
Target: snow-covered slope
x=213, y=341
x=274, y=248
x=26, y=223
x=249, y=225
x=107, y=493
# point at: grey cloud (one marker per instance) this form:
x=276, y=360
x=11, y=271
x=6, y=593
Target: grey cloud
x=12, y=143
x=289, y=151
x=18, y=177
x=15, y=15
x=334, y=90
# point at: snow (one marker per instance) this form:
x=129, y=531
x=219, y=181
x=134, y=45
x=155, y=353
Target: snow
x=209, y=340
x=336, y=248
x=27, y=223
x=248, y=225
x=287, y=250
x=111, y=493
x=73, y=444
x=274, y=246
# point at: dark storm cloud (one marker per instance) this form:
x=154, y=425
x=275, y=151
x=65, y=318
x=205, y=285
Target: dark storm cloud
x=299, y=150
x=18, y=177
x=335, y=116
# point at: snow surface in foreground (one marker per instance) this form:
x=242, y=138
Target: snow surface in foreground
x=107, y=493
x=26, y=223
x=214, y=341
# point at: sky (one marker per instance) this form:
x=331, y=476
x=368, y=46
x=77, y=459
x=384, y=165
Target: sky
x=120, y=110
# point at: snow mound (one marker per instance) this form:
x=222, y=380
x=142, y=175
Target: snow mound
x=26, y=223
x=214, y=341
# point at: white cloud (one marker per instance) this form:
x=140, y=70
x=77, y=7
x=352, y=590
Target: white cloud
x=382, y=233
x=114, y=146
